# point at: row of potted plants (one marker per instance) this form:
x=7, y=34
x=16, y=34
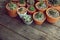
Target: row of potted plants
x=33, y=13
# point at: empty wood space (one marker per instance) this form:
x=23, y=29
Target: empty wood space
x=14, y=29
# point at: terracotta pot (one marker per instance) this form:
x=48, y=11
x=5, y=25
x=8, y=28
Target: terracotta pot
x=38, y=22
x=50, y=18
x=12, y=13
x=40, y=9
x=30, y=12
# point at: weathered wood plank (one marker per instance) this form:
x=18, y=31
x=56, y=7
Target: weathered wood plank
x=48, y=29
x=57, y=24
x=25, y=30
x=6, y=34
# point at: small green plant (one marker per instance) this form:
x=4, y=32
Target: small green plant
x=31, y=8
x=42, y=5
x=31, y=2
x=21, y=9
x=22, y=1
x=12, y=6
x=54, y=2
x=53, y=13
x=39, y=16
x=27, y=18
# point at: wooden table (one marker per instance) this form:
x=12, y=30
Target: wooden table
x=14, y=29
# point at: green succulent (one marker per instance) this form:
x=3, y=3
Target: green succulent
x=54, y=2
x=27, y=18
x=22, y=1
x=31, y=2
x=39, y=16
x=42, y=5
x=53, y=13
x=12, y=6
x=21, y=9
x=31, y=8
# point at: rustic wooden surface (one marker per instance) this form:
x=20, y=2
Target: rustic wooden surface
x=14, y=29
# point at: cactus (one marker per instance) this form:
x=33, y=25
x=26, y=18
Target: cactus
x=31, y=2
x=39, y=16
x=53, y=13
x=12, y=6
x=31, y=8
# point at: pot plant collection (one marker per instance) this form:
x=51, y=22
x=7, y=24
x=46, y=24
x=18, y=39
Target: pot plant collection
x=52, y=15
x=11, y=8
x=35, y=10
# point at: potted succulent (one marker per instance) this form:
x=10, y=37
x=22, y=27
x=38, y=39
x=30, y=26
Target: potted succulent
x=22, y=11
x=53, y=3
x=30, y=2
x=39, y=17
x=27, y=19
x=31, y=9
x=41, y=6
x=52, y=15
x=40, y=0
x=12, y=9
x=21, y=3
x=14, y=0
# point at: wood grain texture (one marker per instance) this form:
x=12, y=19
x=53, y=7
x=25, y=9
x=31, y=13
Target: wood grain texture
x=49, y=29
x=25, y=30
x=6, y=34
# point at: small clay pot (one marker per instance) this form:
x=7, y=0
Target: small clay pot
x=38, y=22
x=12, y=13
x=50, y=18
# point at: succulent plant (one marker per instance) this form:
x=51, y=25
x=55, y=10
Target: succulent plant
x=22, y=1
x=54, y=2
x=12, y=6
x=31, y=8
x=39, y=16
x=42, y=5
x=53, y=13
x=21, y=9
x=31, y=2
x=27, y=19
